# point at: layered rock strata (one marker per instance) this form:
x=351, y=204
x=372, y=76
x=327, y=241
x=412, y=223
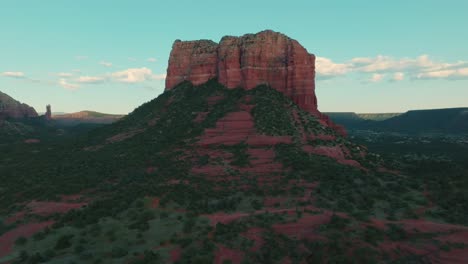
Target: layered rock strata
x=267, y=57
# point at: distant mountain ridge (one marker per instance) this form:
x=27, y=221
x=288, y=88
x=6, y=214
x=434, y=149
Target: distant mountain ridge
x=377, y=116
x=86, y=117
x=448, y=120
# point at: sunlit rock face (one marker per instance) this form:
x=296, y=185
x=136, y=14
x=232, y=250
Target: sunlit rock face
x=267, y=57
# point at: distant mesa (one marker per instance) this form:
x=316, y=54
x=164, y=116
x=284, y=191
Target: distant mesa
x=267, y=57
x=447, y=121
x=48, y=114
x=10, y=108
x=85, y=117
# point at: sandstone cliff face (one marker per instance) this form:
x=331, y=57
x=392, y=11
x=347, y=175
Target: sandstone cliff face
x=264, y=58
x=10, y=108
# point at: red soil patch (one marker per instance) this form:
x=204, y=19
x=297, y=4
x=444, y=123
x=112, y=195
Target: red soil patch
x=150, y=170
x=227, y=218
x=246, y=107
x=390, y=247
x=305, y=226
x=335, y=152
x=8, y=239
x=266, y=141
x=16, y=217
x=212, y=100
x=32, y=141
x=176, y=254
x=224, y=218
x=261, y=156
x=264, y=169
x=48, y=208
x=385, y=170
x=454, y=256
x=211, y=171
x=255, y=234
x=272, y=201
x=153, y=121
x=426, y=226
x=223, y=253
x=237, y=127
x=175, y=182
x=125, y=135
x=155, y=203
x=71, y=197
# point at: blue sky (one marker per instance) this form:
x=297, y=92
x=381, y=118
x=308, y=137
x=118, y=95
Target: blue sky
x=111, y=56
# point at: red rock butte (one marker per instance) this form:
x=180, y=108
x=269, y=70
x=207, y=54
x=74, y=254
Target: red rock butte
x=267, y=57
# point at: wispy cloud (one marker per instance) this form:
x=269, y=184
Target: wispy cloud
x=90, y=79
x=161, y=76
x=22, y=76
x=65, y=84
x=129, y=76
x=12, y=74
x=133, y=75
x=377, y=77
x=327, y=68
x=398, y=76
x=65, y=74
x=454, y=74
x=421, y=67
x=151, y=60
x=106, y=63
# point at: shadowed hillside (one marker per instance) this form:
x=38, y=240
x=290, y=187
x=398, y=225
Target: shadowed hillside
x=210, y=174
x=452, y=121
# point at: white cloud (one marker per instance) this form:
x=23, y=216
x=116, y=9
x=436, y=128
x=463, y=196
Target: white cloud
x=421, y=67
x=159, y=76
x=327, y=68
x=387, y=63
x=377, y=77
x=106, y=64
x=65, y=74
x=14, y=74
x=90, y=79
x=398, y=76
x=454, y=74
x=131, y=59
x=151, y=60
x=67, y=85
x=133, y=75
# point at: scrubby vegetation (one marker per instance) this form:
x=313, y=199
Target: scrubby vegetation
x=146, y=205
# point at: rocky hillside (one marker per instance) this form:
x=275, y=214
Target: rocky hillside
x=228, y=174
x=10, y=108
x=213, y=174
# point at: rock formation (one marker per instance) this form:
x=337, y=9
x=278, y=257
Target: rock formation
x=264, y=58
x=267, y=57
x=48, y=114
x=10, y=108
